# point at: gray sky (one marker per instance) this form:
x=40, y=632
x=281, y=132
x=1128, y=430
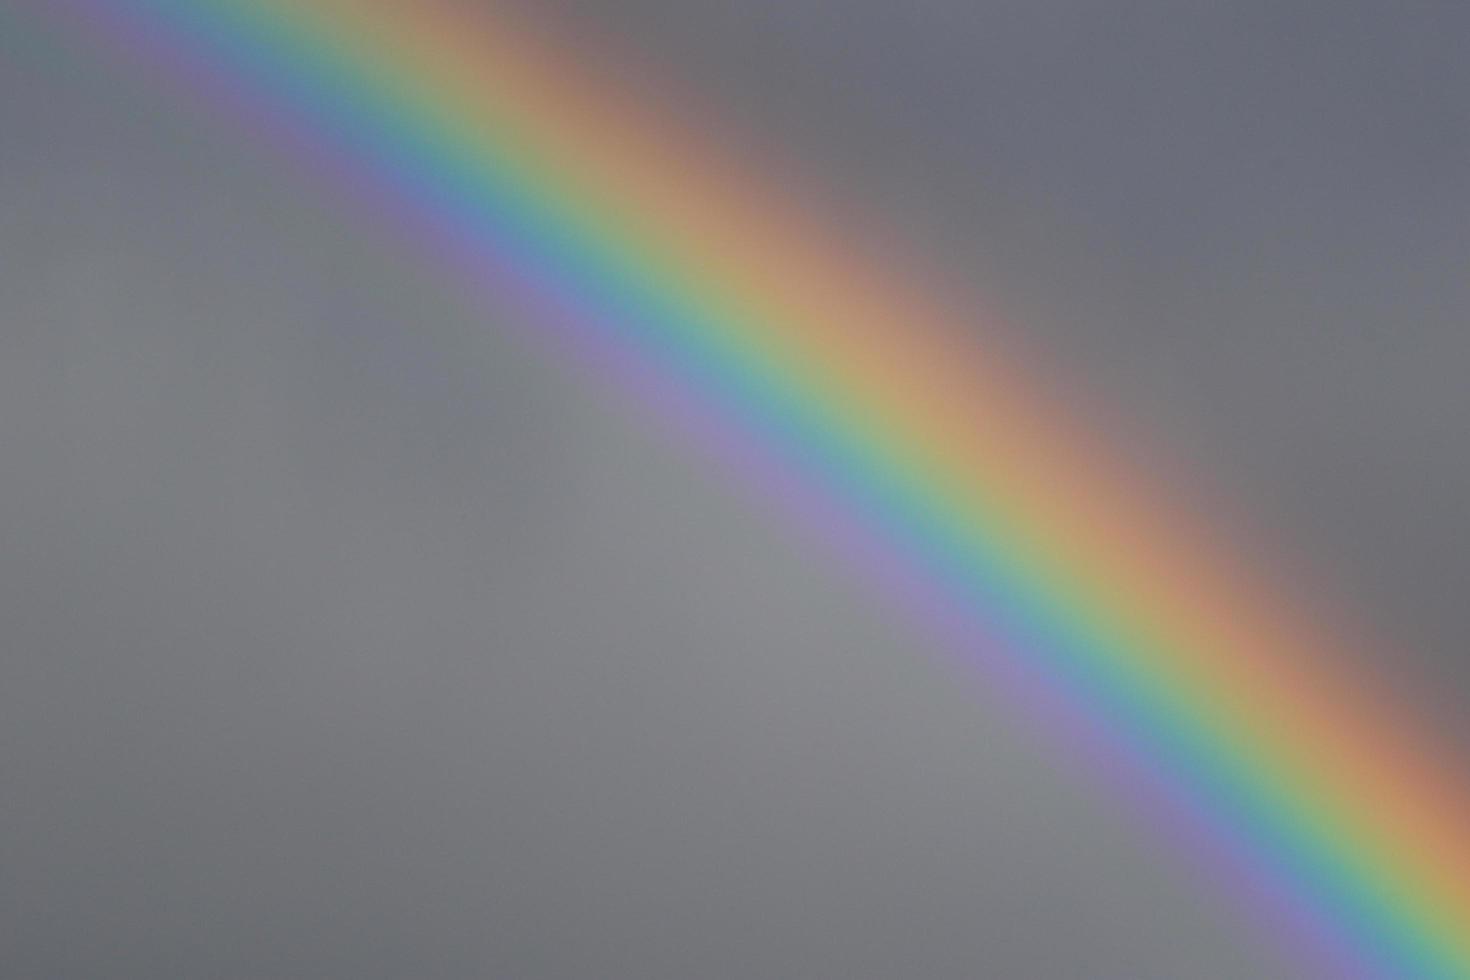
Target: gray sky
x=345, y=636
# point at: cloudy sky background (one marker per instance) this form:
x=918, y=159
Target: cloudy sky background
x=346, y=636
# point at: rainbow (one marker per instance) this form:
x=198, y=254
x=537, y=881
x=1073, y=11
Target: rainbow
x=650, y=252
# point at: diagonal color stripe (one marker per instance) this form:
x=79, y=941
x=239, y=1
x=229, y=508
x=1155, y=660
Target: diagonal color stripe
x=924, y=430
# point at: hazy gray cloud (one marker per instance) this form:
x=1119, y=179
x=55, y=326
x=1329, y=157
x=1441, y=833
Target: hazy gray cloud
x=346, y=636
